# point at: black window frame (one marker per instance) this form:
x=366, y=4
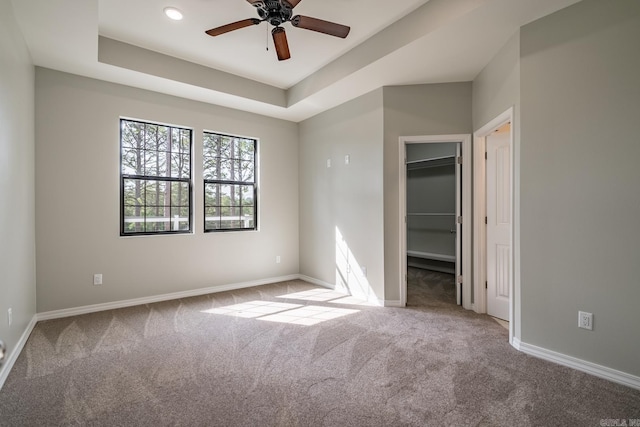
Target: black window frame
x=165, y=179
x=253, y=183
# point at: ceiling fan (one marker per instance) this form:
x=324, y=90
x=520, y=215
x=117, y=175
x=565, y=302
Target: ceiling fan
x=277, y=12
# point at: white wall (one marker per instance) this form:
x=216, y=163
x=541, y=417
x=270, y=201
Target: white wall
x=496, y=89
x=17, y=235
x=436, y=109
x=580, y=201
x=347, y=198
x=77, y=195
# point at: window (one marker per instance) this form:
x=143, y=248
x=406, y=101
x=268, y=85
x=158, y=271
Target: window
x=155, y=178
x=230, y=191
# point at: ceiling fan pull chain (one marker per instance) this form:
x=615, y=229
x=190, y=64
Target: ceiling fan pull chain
x=267, y=27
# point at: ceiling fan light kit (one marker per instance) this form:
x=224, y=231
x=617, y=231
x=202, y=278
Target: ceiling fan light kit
x=276, y=13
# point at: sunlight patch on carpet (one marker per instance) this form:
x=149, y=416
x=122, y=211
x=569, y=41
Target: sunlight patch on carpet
x=309, y=315
x=295, y=314
x=327, y=295
x=253, y=309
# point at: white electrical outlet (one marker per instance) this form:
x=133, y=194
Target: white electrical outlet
x=585, y=320
x=347, y=159
x=328, y=163
x=278, y=259
x=10, y=316
x=97, y=279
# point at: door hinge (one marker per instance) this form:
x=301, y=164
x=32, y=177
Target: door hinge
x=486, y=285
x=459, y=220
x=459, y=160
x=485, y=220
x=460, y=279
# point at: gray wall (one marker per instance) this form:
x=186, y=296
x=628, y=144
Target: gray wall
x=496, y=89
x=17, y=235
x=436, y=109
x=347, y=198
x=580, y=202
x=77, y=194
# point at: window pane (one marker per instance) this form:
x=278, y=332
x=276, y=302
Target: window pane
x=162, y=138
x=131, y=164
x=179, y=219
x=210, y=168
x=247, y=195
x=211, y=194
x=132, y=194
x=247, y=217
x=246, y=172
x=223, y=170
x=180, y=167
x=131, y=135
x=150, y=136
x=150, y=163
x=226, y=195
x=224, y=147
x=180, y=193
x=247, y=150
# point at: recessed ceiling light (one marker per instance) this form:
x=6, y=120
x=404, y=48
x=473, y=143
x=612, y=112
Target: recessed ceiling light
x=173, y=13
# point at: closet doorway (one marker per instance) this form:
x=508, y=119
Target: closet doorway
x=435, y=198
x=433, y=209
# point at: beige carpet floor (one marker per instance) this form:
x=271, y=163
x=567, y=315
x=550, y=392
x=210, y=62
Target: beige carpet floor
x=293, y=354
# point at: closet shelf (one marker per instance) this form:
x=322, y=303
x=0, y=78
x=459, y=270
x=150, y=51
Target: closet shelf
x=432, y=162
x=431, y=256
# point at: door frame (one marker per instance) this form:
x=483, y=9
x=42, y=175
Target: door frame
x=465, y=143
x=480, y=212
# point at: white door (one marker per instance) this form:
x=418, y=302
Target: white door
x=498, y=222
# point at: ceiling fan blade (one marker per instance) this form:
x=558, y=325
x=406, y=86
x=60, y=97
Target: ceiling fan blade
x=280, y=41
x=321, y=26
x=293, y=3
x=254, y=2
x=233, y=26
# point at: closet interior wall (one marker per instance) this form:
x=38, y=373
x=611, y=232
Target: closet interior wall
x=431, y=206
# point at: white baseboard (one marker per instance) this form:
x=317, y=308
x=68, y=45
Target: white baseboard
x=13, y=355
x=391, y=303
x=579, y=364
x=67, y=312
x=515, y=343
x=315, y=281
x=371, y=299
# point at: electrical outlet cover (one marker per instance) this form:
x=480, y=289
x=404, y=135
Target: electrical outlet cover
x=585, y=320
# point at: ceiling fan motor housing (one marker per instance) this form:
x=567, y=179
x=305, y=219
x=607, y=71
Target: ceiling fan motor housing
x=275, y=12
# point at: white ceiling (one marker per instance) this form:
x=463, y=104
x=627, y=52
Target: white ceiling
x=243, y=52
x=409, y=42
